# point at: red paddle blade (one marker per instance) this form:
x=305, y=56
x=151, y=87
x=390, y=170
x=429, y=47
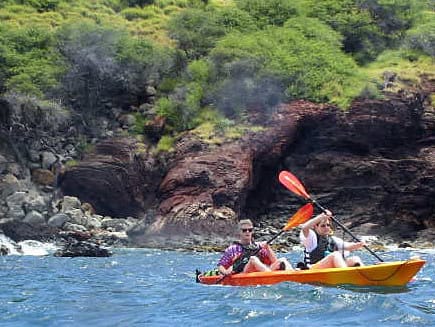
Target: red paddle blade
x=292, y=183
x=301, y=216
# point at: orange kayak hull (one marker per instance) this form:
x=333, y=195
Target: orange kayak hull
x=397, y=273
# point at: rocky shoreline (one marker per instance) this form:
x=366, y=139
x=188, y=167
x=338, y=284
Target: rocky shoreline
x=374, y=166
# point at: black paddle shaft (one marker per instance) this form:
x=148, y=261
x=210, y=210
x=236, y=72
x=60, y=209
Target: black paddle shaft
x=347, y=230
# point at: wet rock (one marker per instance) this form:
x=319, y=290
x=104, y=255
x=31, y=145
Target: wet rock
x=20, y=231
x=76, y=248
x=4, y=250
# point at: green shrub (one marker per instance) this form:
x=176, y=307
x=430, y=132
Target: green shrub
x=195, y=32
x=199, y=70
x=269, y=12
x=165, y=144
x=422, y=38
x=41, y=5
x=30, y=61
x=303, y=67
x=141, y=13
x=168, y=108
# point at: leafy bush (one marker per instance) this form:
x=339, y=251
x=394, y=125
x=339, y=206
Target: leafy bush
x=283, y=57
x=269, y=12
x=199, y=70
x=136, y=3
x=233, y=19
x=195, y=31
x=141, y=13
x=362, y=37
x=168, y=108
x=30, y=62
x=422, y=38
x=165, y=144
x=41, y=5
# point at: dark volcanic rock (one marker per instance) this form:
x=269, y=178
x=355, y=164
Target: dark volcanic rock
x=374, y=164
x=82, y=249
x=119, y=179
x=20, y=231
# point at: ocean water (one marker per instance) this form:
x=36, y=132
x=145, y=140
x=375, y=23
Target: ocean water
x=145, y=287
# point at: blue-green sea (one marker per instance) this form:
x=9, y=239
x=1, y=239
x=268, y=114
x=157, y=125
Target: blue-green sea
x=146, y=287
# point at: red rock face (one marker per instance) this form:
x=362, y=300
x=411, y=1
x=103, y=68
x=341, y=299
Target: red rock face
x=373, y=166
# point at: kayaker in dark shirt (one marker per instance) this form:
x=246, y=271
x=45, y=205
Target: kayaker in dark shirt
x=322, y=250
x=249, y=256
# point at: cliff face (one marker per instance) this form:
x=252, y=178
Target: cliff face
x=373, y=166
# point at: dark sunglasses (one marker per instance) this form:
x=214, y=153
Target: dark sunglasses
x=325, y=225
x=244, y=230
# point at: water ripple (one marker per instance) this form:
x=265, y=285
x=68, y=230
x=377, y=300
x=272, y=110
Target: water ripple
x=140, y=287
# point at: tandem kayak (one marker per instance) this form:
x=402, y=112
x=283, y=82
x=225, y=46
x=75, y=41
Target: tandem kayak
x=396, y=273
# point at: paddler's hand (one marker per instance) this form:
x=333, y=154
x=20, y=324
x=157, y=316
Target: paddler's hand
x=227, y=272
x=357, y=245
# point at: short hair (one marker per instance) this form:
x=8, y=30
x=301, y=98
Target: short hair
x=245, y=222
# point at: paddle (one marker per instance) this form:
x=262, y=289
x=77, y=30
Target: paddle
x=302, y=215
x=292, y=183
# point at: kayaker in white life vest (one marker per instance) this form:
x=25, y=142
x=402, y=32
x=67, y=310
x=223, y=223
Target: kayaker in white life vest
x=249, y=256
x=322, y=250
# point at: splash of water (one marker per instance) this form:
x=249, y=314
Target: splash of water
x=27, y=247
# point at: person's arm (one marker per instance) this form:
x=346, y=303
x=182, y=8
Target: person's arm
x=225, y=264
x=313, y=222
x=269, y=252
x=352, y=246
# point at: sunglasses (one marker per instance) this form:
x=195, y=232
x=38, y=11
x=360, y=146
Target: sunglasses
x=325, y=225
x=244, y=230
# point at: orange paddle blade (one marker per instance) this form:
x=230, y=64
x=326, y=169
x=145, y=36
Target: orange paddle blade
x=292, y=183
x=301, y=216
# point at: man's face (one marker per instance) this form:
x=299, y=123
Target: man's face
x=246, y=231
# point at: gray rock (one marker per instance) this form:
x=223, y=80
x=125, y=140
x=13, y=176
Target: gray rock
x=114, y=224
x=93, y=223
x=70, y=203
x=34, y=218
x=48, y=159
x=74, y=227
x=34, y=201
x=34, y=156
x=150, y=91
x=58, y=220
x=15, y=203
x=78, y=217
x=9, y=185
x=3, y=164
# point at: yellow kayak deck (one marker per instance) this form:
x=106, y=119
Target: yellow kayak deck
x=396, y=273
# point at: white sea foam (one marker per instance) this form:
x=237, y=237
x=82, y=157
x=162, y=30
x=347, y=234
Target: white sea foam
x=27, y=247
x=36, y=248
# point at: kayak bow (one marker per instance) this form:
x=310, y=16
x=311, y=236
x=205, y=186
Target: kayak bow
x=397, y=273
